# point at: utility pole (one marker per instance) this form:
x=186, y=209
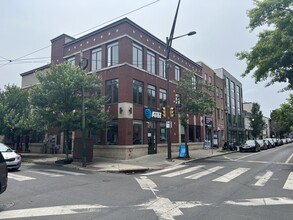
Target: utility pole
x=83, y=116
x=168, y=122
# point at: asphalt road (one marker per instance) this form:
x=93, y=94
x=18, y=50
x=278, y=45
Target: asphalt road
x=234, y=186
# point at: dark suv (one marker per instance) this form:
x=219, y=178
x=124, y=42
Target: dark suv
x=3, y=174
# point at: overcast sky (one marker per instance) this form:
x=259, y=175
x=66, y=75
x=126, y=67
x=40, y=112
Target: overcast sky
x=28, y=26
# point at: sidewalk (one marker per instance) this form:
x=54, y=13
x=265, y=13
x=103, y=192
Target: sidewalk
x=141, y=164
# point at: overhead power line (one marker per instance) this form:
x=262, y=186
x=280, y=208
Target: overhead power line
x=8, y=61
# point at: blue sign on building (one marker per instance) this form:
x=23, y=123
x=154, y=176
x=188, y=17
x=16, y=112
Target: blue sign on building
x=149, y=114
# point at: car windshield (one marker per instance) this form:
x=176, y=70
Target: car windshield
x=4, y=148
x=249, y=142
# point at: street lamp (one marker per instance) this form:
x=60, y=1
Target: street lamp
x=168, y=49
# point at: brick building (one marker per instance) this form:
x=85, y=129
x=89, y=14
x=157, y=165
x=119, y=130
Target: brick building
x=131, y=62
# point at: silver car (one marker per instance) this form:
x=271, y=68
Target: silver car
x=13, y=160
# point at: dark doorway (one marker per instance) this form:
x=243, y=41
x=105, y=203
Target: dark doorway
x=152, y=143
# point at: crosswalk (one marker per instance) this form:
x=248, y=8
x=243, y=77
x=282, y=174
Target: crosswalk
x=222, y=174
x=35, y=174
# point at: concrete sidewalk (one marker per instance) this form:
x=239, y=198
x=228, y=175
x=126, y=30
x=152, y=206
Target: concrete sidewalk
x=141, y=164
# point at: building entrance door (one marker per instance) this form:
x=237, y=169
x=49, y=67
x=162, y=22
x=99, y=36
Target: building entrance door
x=152, y=149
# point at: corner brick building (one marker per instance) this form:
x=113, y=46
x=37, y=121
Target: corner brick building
x=131, y=62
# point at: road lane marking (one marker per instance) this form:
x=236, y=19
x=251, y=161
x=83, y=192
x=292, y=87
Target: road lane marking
x=180, y=172
x=287, y=161
x=204, y=173
x=289, y=182
x=146, y=184
x=231, y=175
x=165, y=209
x=240, y=158
x=263, y=179
x=164, y=170
x=262, y=201
x=45, y=174
x=65, y=172
x=19, y=177
x=50, y=211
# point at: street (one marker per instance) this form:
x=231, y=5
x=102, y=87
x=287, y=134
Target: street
x=234, y=186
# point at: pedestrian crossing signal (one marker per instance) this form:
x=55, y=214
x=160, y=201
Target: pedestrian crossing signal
x=172, y=112
x=163, y=111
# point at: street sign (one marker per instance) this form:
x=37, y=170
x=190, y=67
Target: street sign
x=168, y=124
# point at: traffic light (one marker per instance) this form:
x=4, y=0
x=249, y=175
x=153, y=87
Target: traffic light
x=172, y=112
x=163, y=111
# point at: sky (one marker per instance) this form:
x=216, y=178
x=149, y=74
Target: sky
x=221, y=25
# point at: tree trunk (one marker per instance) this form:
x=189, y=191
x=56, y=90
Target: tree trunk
x=186, y=144
x=66, y=144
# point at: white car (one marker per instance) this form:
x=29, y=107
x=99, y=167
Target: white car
x=13, y=160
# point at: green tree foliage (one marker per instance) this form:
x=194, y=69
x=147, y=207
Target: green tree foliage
x=14, y=112
x=272, y=56
x=282, y=118
x=196, y=99
x=256, y=120
x=57, y=100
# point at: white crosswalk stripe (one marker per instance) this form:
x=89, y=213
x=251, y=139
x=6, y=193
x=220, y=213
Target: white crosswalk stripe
x=45, y=173
x=31, y=174
x=180, y=172
x=204, y=173
x=289, y=182
x=164, y=170
x=231, y=175
x=263, y=179
x=19, y=177
x=65, y=172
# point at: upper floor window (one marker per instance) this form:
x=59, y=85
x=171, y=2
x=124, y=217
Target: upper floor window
x=221, y=93
x=163, y=97
x=178, y=100
x=137, y=92
x=151, y=62
x=210, y=79
x=217, y=91
x=112, y=90
x=152, y=96
x=194, y=82
x=205, y=77
x=71, y=60
x=162, y=72
x=96, y=59
x=137, y=59
x=112, y=54
x=177, y=73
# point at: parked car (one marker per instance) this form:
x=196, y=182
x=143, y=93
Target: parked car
x=272, y=142
x=230, y=145
x=13, y=160
x=3, y=174
x=268, y=143
x=250, y=145
x=263, y=145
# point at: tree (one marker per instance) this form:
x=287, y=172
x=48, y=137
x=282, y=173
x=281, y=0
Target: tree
x=281, y=118
x=57, y=100
x=196, y=99
x=272, y=56
x=14, y=113
x=256, y=120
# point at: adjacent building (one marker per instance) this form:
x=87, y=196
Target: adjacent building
x=233, y=106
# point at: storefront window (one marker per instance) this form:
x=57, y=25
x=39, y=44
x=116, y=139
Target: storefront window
x=137, y=132
x=163, y=133
x=112, y=133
